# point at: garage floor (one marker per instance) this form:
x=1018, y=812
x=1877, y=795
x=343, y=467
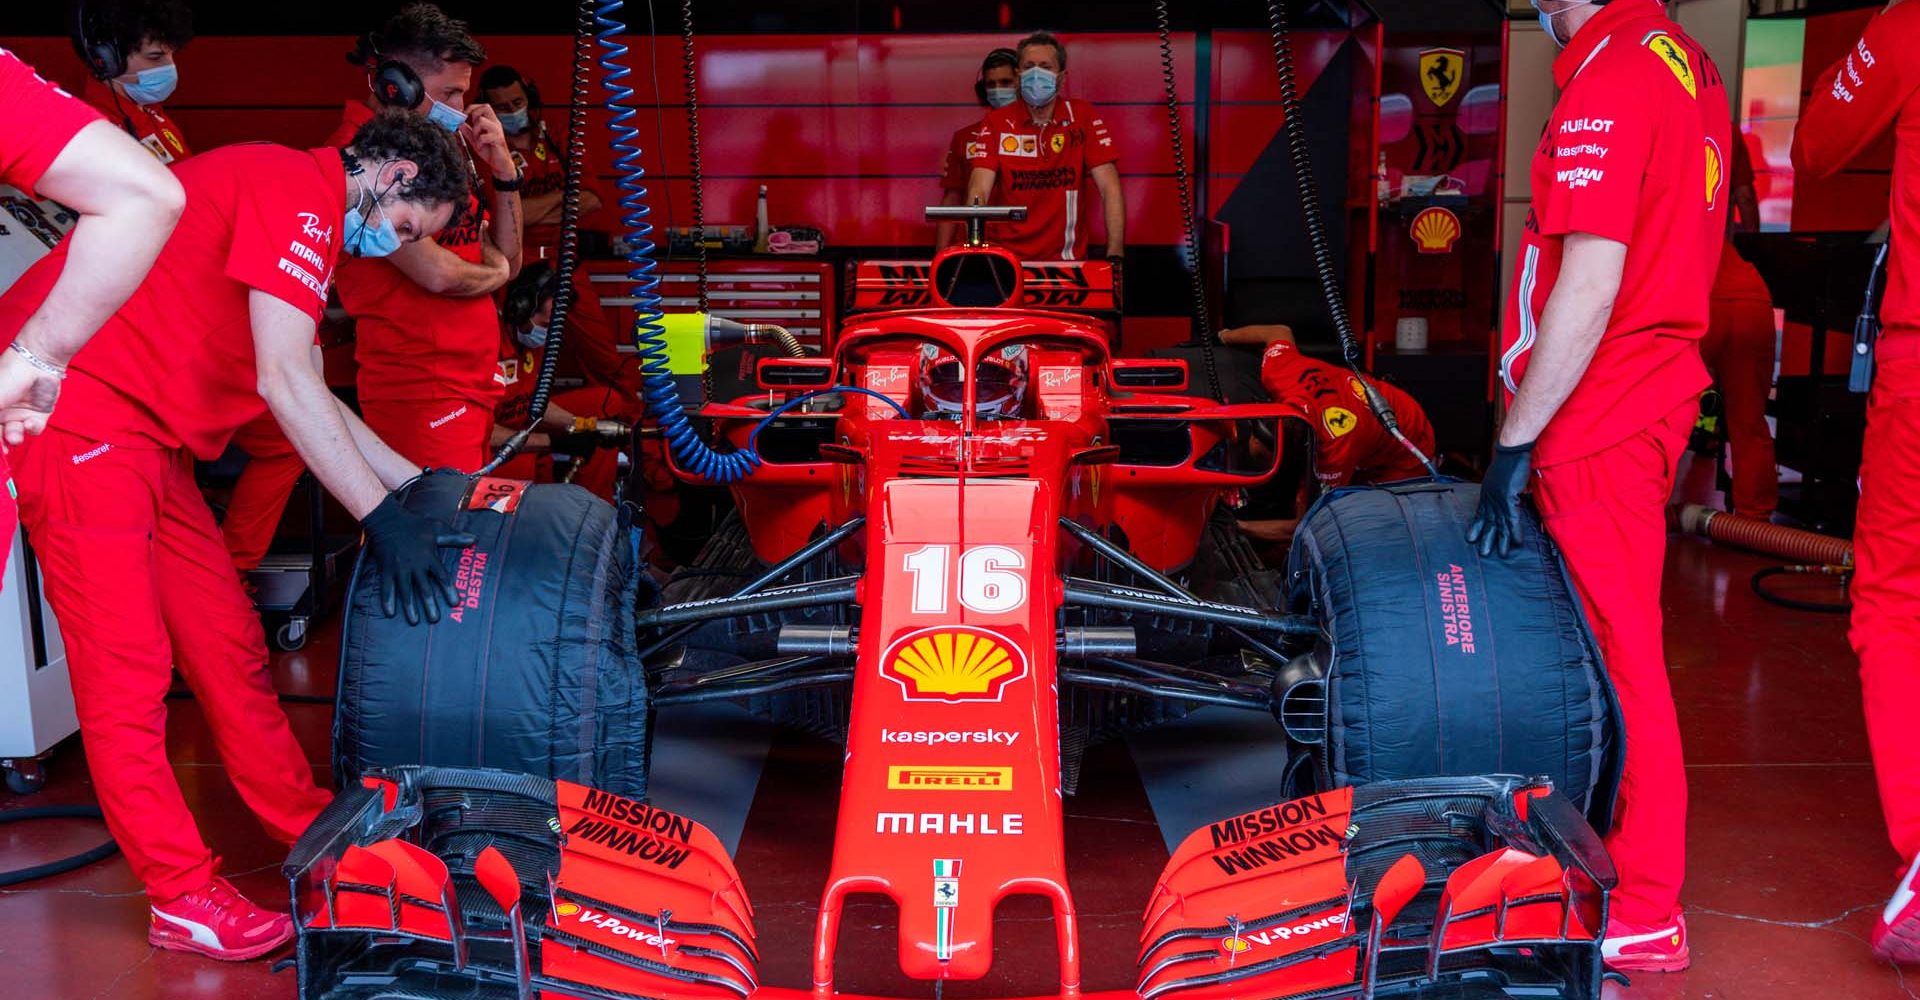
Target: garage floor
x=1789, y=861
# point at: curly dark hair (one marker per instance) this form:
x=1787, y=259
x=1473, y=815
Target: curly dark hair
x=1043, y=38
x=128, y=23
x=422, y=36
x=397, y=135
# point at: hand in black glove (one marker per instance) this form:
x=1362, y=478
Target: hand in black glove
x=406, y=548
x=1496, y=526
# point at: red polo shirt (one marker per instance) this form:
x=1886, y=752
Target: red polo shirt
x=1047, y=169
x=411, y=343
x=1350, y=443
x=146, y=122
x=1636, y=151
x=174, y=368
x=957, y=164
x=1874, y=90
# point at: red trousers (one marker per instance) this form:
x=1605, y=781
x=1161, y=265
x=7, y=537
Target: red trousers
x=1886, y=594
x=1607, y=512
x=436, y=433
x=1738, y=349
x=141, y=584
x=260, y=494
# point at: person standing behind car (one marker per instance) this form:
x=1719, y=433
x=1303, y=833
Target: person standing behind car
x=997, y=87
x=128, y=47
x=517, y=103
x=427, y=334
x=1041, y=152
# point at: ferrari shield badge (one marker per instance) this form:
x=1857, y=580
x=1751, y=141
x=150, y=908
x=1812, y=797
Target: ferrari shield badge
x=1440, y=73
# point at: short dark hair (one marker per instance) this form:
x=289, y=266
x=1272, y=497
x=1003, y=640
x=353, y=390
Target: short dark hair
x=501, y=75
x=996, y=58
x=394, y=134
x=422, y=36
x=131, y=22
x=1043, y=38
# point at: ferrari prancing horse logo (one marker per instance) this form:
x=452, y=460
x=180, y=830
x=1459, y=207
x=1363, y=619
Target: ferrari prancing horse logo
x=1440, y=73
x=1675, y=58
x=1339, y=420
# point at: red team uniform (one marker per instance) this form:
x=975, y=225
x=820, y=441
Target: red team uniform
x=1046, y=168
x=1873, y=91
x=134, y=566
x=1635, y=151
x=427, y=361
x=1350, y=444
x=957, y=164
x=1739, y=349
x=147, y=123
x=39, y=119
x=612, y=389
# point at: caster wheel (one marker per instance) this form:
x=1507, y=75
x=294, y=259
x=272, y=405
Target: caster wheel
x=25, y=777
x=291, y=636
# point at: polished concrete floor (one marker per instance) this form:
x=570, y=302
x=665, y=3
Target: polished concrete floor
x=1789, y=862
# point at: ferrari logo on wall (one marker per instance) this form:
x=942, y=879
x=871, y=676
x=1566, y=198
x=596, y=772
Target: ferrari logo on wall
x=953, y=663
x=1440, y=74
x=1435, y=230
x=1716, y=172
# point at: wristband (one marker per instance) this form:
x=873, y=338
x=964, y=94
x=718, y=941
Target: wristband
x=36, y=361
x=519, y=177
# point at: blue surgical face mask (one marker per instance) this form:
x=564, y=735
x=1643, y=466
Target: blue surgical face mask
x=154, y=85
x=369, y=240
x=1000, y=97
x=515, y=122
x=1546, y=23
x=446, y=116
x=1038, y=85
x=532, y=338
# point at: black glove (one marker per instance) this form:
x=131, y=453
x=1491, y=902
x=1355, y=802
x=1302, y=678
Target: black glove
x=406, y=548
x=1496, y=526
x=1119, y=281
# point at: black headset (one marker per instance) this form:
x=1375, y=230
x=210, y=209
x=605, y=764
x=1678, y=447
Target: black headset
x=1007, y=56
x=394, y=83
x=536, y=283
x=103, y=55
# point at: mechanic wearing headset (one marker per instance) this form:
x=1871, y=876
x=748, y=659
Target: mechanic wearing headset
x=220, y=331
x=544, y=161
x=428, y=332
x=53, y=146
x=1603, y=374
x=1873, y=91
x=1040, y=152
x=128, y=47
x=526, y=315
x=997, y=86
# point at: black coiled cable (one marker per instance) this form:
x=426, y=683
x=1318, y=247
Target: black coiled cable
x=691, y=73
x=1203, y=332
x=568, y=256
x=1295, y=127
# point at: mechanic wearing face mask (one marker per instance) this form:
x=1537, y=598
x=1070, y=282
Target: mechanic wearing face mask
x=128, y=47
x=221, y=330
x=1873, y=91
x=612, y=393
x=544, y=161
x=997, y=86
x=427, y=333
x=1040, y=152
x=1603, y=374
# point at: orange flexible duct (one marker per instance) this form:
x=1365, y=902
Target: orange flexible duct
x=1766, y=537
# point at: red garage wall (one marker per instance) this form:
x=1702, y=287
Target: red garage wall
x=846, y=132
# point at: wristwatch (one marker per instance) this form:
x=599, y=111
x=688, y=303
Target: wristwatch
x=519, y=177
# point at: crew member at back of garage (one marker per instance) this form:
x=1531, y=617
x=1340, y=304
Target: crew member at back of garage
x=131, y=71
x=997, y=87
x=1042, y=152
x=1601, y=363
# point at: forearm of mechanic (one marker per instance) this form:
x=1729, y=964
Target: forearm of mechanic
x=507, y=227
x=1258, y=334
x=306, y=410
x=390, y=466
x=1571, y=326
x=1106, y=178
x=543, y=209
x=128, y=204
x=443, y=272
x=980, y=186
x=947, y=234
x=537, y=441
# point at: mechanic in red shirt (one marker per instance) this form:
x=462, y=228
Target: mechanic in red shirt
x=53, y=146
x=1041, y=152
x=128, y=47
x=427, y=332
x=1602, y=368
x=221, y=330
x=516, y=101
x=997, y=86
x=1739, y=352
x=597, y=419
x=1875, y=90
x=1350, y=444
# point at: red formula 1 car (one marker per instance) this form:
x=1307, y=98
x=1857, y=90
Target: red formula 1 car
x=987, y=543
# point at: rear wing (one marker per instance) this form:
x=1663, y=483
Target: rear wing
x=1081, y=286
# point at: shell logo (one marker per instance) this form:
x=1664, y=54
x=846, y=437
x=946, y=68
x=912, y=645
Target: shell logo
x=1010, y=144
x=567, y=909
x=1235, y=945
x=953, y=663
x=1716, y=172
x=1435, y=230
x=1359, y=391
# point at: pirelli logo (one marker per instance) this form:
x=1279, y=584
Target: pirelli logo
x=951, y=778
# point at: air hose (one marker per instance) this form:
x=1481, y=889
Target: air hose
x=1295, y=127
x=1814, y=554
x=569, y=252
x=1203, y=331
x=62, y=865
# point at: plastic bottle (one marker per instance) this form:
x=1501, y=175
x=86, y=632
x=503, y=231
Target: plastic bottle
x=761, y=229
x=1381, y=190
